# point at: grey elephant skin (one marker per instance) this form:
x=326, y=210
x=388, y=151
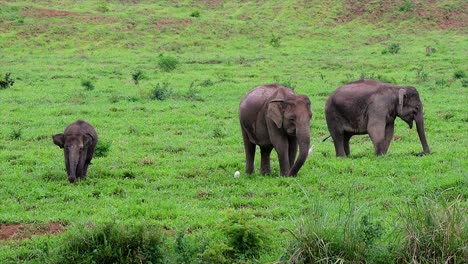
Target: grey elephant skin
x=273, y=116
x=370, y=107
x=78, y=142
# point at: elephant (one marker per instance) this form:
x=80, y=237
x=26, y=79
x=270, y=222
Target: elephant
x=273, y=116
x=79, y=142
x=370, y=107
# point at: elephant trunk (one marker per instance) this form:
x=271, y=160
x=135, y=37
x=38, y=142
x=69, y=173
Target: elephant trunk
x=419, y=118
x=303, y=140
x=73, y=161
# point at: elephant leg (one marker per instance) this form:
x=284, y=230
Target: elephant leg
x=249, y=148
x=338, y=141
x=376, y=132
x=389, y=129
x=346, y=138
x=292, y=151
x=265, y=152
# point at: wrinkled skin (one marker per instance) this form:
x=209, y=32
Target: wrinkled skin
x=272, y=116
x=370, y=107
x=78, y=142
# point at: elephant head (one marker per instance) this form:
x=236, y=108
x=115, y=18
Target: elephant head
x=291, y=114
x=410, y=109
x=75, y=151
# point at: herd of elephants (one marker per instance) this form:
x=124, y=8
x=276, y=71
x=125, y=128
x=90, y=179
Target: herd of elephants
x=273, y=116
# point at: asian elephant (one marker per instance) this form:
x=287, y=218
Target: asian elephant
x=78, y=141
x=370, y=107
x=273, y=116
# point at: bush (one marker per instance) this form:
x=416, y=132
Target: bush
x=459, y=74
x=352, y=237
x=407, y=6
x=137, y=76
x=102, y=148
x=161, y=92
x=167, y=63
x=6, y=81
x=112, y=243
x=435, y=232
x=88, y=85
x=195, y=14
x=393, y=48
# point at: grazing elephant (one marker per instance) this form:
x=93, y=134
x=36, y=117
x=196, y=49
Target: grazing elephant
x=370, y=107
x=78, y=141
x=272, y=116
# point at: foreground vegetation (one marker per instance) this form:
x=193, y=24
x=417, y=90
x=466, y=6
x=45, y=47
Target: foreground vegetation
x=162, y=83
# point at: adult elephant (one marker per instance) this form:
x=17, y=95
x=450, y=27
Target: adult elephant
x=370, y=107
x=273, y=116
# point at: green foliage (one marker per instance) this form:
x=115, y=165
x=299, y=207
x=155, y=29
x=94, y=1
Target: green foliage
x=406, y=6
x=459, y=74
x=195, y=13
x=185, y=249
x=7, y=81
x=393, y=48
x=88, y=85
x=421, y=74
x=246, y=238
x=161, y=92
x=15, y=134
x=137, y=76
x=167, y=63
x=102, y=148
x=275, y=41
x=351, y=238
x=111, y=243
x=436, y=231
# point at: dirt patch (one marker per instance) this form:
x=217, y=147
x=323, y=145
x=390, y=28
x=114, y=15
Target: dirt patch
x=27, y=230
x=168, y=22
x=77, y=17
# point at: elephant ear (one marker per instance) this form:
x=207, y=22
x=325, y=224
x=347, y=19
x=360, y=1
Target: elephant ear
x=87, y=139
x=401, y=95
x=275, y=112
x=59, y=140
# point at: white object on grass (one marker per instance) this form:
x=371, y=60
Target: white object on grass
x=236, y=174
x=311, y=149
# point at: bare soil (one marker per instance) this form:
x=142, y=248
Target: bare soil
x=21, y=231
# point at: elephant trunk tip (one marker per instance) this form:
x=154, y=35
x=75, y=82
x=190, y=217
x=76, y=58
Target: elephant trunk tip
x=71, y=179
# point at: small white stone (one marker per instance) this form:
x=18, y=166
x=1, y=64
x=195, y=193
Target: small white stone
x=236, y=174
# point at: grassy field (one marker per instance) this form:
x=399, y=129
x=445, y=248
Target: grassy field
x=171, y=162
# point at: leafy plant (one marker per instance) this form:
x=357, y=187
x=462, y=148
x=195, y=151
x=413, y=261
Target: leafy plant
x=459, y=74
x=88, y=85
x=435, y=231
x=102, y=148
x=161, y=92
x=393, y=48
x=112, y=243
x=195, y=13
x=137, y=76
x=167, y=63
x=7, y=81
x=275, y=41
x=407, y=6
x=15, y=134
x=421, y=75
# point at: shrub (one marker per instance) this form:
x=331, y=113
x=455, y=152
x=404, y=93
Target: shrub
x=88, y=85
x=350, y=238
x=195, y=14
x=7, y=81
x=275, y=41
x=112, y=243
x=137, y=76
x=161, y=92
x=15, y=134
x=435, y=231
x=407, y=6
x=102, y=148
x=459, y=74
x=393, y=48
x=167, y=63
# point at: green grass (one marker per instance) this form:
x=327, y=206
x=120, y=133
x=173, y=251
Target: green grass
x=171, y=162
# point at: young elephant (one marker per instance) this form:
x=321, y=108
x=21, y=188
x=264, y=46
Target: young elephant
x=370, y=107
x=78, y=141
x=272, y=116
